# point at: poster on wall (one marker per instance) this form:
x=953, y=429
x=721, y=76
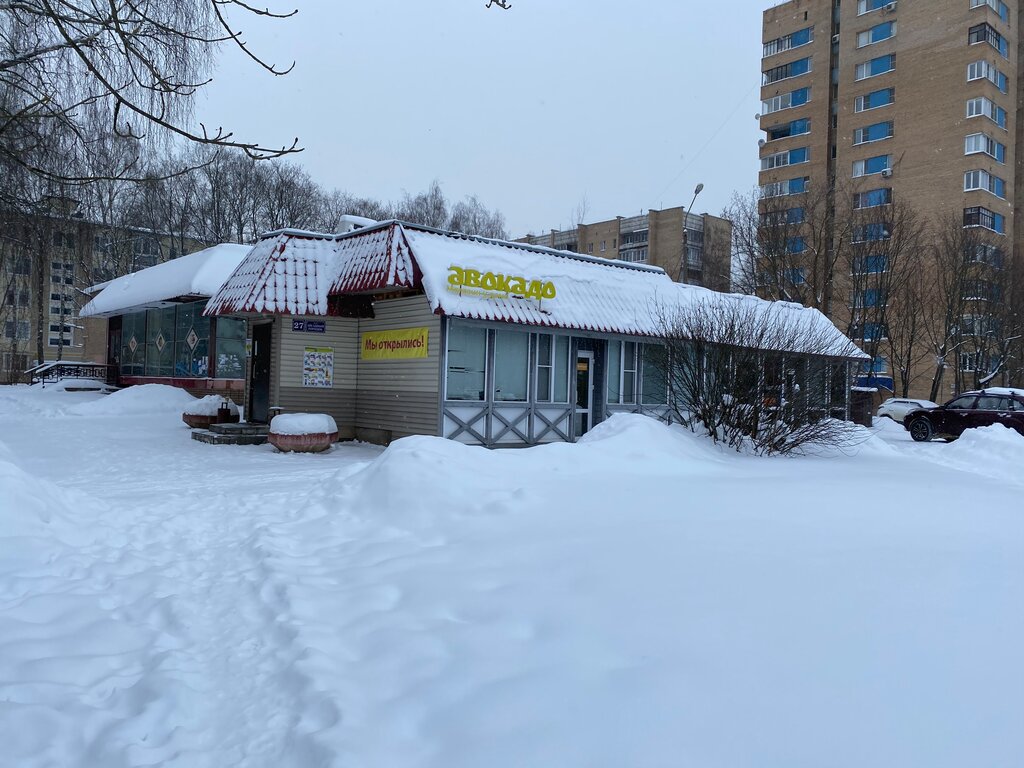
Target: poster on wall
x=397, y=344
x=318, y=367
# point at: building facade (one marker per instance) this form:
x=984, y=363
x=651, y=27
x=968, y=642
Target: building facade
x=869, y=104
x=691, y=248
x=397, y=329
x=49, y=256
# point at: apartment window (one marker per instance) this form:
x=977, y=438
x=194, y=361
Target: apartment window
x=983, y=180
x=982, y=70
x=872, y=198
x=996, y=5
x=871, y=264
x=866, y=6
x=634, y=255
x=984, y=107
x=980, y=290
x=604, y=246
x=795, y=128
x=788, y=187
x=590, y=247
x=780, y=159
x=796, y=98
x=778, y=218
x=874, y=100
x=985, y=253
x=986, y=33
x=16, y=298
x=787, y=42
x=876, y=34
x=875, y=132
x=793, y=69
x=870, y=297
x=869, y=331
x=795, y=245
x=984, y=144
x=866, y=233
x=871, y=165
x=978, y=216
x=795, y=276
x=875, y=67
x=18, y=330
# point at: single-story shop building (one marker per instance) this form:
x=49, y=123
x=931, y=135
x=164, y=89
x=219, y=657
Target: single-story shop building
x=397, y=329
x=157, y=332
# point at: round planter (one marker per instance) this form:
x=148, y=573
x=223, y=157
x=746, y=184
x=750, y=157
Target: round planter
x=314, y=443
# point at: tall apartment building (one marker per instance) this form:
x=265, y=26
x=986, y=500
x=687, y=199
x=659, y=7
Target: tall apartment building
x=691, y=248
x=894, y=100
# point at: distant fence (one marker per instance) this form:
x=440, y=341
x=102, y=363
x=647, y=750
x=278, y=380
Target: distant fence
x=59, y=371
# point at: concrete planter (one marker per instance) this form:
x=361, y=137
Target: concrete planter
x=314, y=443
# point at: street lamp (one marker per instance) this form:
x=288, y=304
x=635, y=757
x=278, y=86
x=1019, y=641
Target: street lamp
x=686, y=237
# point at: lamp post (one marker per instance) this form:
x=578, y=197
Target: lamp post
x=686, y=237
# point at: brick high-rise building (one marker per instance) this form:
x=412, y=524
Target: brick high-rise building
x=692, y=248
x=870, y=103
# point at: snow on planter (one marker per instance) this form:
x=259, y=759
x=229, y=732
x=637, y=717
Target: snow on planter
x=205, y=411
x=303, y=432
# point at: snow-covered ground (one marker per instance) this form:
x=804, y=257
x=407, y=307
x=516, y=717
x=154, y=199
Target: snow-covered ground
x=640, y=599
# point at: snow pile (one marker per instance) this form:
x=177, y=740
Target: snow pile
x=302, y=424
x=996, y=451
x=138, y=399
x=637, y=599
x=71, y=384
x=196, y=274
x=209, y=405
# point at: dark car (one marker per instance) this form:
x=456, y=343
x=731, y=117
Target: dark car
x=971, y=409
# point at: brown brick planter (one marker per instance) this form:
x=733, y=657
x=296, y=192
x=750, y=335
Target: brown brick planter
x=204, y=422
x=314, y=443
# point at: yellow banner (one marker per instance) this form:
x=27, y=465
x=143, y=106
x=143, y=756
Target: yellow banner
x=399, y=344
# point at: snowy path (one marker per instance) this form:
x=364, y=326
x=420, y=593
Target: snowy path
x=640, y=599
x=173, y=642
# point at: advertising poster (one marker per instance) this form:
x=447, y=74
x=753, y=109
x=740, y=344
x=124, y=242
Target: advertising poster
x=399, y=344
x=318, y=367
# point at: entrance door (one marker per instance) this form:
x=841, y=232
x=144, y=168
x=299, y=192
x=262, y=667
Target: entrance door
x=583, y=417
x=114, y=349
x=259, y=383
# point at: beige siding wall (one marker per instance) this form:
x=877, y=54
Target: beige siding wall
x=395, y=398
x=287, y=392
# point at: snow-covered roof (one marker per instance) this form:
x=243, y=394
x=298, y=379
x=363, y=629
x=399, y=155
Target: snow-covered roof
x=195, y=275
x=291, y=272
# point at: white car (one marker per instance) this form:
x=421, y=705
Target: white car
x=896, y=408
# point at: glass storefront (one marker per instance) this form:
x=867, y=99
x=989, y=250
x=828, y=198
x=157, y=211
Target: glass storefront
x=176, y=341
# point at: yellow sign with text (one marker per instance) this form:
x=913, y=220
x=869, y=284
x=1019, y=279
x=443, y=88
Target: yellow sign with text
x=399, y=344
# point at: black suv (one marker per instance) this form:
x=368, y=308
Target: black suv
x=971, y=409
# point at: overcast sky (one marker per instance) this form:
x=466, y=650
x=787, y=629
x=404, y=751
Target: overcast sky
x=630, y=104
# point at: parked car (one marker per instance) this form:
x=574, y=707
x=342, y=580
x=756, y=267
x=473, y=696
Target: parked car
x=897, y=408
x=997, y=405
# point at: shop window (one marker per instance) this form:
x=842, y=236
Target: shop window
x=160, y=342
x=191, y=340
x=655, y=385
x=230, y=348
x=467, y=360
x=621, y=376
x=552, y=368
x=511, y=366
x=133, y=344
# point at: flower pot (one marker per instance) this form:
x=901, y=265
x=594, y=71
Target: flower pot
x=314, y=443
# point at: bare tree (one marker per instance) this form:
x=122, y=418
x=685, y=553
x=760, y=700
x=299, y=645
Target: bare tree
x=757, y=376
x=136, y=66
x=786, y=246
x=881, y=265
x=474, y=218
